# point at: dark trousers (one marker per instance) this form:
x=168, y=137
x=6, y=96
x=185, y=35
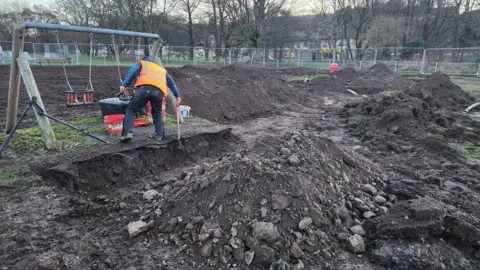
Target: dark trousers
x=144, y=94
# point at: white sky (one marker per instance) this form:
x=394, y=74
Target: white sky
x=40, y=2
x=302, y=6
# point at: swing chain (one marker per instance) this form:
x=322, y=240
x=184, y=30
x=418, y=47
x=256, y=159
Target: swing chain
x=117, y=57
x=90, y=62
x=63, y=63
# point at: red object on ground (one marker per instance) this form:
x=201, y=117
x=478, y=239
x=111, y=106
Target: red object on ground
x=333, y=68
x=114, y=123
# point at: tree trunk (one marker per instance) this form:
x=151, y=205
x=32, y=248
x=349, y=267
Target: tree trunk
x=190, y=33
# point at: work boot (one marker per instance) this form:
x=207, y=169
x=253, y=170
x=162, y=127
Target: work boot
x=159, y=137
x=127, y=138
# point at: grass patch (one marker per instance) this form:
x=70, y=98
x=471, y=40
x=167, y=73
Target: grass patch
x=469, y=86
x=473, y=149
x=9, y=176
x=30, y=140
x=308, y=78
x=409, y=74
x=354, y=119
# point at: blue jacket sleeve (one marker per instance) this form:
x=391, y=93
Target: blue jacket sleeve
x=132, y=73
x=172, y=86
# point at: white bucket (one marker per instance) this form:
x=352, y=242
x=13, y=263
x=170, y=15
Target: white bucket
x=185, y=111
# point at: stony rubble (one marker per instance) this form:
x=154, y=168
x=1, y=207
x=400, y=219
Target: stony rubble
x=252, y=207
x=137, y=227
x=356, y=243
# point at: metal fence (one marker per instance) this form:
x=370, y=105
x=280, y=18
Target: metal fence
x=452, y=61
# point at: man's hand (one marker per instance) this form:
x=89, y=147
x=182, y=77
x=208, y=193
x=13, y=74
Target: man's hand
x=179, y=100
x=123, y=91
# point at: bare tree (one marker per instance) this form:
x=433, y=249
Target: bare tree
x=256, y=18
x=190, y=6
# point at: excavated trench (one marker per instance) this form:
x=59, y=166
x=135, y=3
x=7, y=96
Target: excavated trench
x=121, y=167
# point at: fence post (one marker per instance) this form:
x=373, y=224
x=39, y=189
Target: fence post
x=395, y=66
x=298, y=58
x=230, y=56
x=422, y=71
x=436, y=66
x=375, y=57
x=77, y=54
x=361, y=65
x=34, y=53
x=193, y=56
x=478, y=72
x=264, y=55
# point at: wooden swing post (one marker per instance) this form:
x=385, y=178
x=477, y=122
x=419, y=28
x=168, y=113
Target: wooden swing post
x=14, y=86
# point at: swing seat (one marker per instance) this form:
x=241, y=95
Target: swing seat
x=79, y=97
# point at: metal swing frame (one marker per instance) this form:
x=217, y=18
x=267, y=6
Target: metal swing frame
x=17, y=72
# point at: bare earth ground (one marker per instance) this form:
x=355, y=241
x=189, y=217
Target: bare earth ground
x=298, y=175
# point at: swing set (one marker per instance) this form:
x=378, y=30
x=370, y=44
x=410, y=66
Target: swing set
x=86, y=95
x=20, y=68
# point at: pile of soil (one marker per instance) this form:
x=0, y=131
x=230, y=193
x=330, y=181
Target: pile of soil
x=347, y=74
x=412, y=115
x=438, y=91
x=292, y=197
x=233, y=93
x=394, y=113
x=429, y=171
x=378, y=78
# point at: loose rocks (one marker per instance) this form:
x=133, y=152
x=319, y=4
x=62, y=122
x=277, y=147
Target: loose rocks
x=137, y=227
x=249, y=255
x=296, y=251
x=358, y=229
x=380, y=199
x=356, y=244
x=294, y=160
x=265, y=231
x=304, y=223
x=150, y=194
x=280, y=201
x=206, y=249
x=370, y=189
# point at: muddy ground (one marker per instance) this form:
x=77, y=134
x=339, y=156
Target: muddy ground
x=280, y=175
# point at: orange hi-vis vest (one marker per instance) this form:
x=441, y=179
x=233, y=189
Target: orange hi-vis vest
x=154, y=75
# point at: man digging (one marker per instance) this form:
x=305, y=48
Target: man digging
x=152, y=85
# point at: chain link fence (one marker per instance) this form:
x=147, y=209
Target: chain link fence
x=452, y=61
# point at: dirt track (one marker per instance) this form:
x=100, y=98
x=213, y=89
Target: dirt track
x=329, y=176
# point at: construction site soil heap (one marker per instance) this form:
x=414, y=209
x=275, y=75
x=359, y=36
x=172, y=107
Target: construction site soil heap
x=289, y=198
x=376, y=79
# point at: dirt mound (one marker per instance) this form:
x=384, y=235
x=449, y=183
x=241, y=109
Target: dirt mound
x=395, y=113
x=438, y=91
x=379, y=68
x=347, y=74
x=378, y=78
x=403, y=123
x=232, y=93
x=288, y=198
